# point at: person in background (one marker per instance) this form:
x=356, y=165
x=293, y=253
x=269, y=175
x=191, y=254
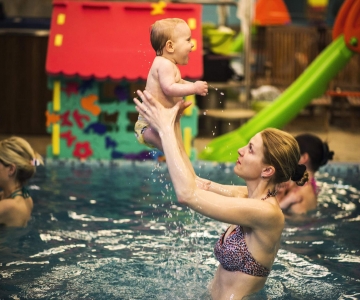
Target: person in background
x=314, y=154
x=171, y=40
x=247, y=249
x=18, y=162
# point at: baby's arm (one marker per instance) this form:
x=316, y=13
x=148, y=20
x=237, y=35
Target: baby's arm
x=201, y=87
x=171, y=88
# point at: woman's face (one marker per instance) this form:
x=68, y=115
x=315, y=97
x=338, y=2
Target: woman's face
x=250, y=162
x=4, y=173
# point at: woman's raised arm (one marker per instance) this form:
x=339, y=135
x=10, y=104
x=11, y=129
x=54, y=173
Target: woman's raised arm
x=162, y=120
x=222, y=189
x=227, y=209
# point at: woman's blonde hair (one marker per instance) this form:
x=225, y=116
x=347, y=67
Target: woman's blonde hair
x=17, y=151
x=161, y=31
x=282, y=151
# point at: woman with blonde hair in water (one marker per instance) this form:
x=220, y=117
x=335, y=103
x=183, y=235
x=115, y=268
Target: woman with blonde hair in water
x=18, y=162
x=247, y=249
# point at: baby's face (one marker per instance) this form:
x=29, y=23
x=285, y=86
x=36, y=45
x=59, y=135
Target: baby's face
x=182, y=43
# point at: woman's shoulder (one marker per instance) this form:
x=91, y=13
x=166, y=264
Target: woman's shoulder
x=15, y=211
x=17, y=202
x=271, y=216
x=308, y=200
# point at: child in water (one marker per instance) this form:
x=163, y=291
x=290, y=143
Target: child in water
x=171, y=40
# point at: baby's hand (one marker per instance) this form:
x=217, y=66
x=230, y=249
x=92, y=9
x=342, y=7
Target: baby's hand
x=201, y=88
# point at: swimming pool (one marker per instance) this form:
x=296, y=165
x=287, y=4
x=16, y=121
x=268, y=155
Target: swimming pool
x=114, y=230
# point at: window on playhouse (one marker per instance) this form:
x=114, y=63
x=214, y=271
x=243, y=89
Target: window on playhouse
x=119, y=91
x=134, y=86
x=110, y=120
x=132, y=117
x=108, y=92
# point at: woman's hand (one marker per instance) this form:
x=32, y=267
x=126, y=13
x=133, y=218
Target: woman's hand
x=184, y=105
x=159, y=117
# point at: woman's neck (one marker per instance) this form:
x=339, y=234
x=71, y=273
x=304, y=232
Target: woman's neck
x=309, y=170
x=259, y=190
x=10, y=189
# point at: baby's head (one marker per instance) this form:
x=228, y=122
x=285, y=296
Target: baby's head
x=162, y=31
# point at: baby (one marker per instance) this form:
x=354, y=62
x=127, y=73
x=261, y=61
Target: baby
x=171, y=40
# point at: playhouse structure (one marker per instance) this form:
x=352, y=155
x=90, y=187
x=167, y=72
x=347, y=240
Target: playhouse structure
x=99, y=53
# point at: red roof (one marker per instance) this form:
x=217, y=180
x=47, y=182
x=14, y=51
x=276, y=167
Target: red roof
x=112, y=40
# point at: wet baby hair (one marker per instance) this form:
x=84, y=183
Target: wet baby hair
x=161, y=31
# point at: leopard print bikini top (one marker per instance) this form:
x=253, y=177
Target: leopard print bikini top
x=234, y=255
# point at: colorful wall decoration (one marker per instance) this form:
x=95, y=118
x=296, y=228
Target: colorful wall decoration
x=98, y=53
x=88, y=122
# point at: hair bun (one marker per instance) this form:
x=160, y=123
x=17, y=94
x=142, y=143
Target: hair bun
x=327, y=155
x=299, y=173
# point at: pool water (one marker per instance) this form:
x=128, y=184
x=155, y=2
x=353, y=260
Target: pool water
x=113, y=230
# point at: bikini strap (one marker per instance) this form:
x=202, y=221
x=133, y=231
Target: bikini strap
x=20, y=192
x=314, y=186
x=25, y=192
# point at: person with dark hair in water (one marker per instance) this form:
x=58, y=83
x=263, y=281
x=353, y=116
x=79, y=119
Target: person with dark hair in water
x=314, y=154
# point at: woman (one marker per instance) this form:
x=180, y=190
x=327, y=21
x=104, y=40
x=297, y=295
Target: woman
x=314, y=154
x=247, y=250
x=18, y=163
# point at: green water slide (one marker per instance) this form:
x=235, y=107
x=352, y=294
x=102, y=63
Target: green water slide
x=312, y=83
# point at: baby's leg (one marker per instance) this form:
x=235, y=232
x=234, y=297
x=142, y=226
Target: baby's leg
x=151, y=136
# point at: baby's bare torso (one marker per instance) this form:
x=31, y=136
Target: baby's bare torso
x=153, y=84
